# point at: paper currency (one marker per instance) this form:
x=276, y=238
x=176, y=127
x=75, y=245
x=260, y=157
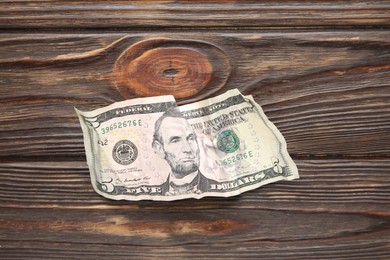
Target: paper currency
x=150, y=149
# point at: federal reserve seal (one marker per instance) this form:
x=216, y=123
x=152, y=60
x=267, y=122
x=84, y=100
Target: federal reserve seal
x=124, y=152
x=228, y=141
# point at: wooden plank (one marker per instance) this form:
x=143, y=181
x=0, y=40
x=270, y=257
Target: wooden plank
x=338, y=209
x=172, y=227
x=220, y=233
x=204, y=249
x=326, y=91
x=187, y=14
x=337, y=186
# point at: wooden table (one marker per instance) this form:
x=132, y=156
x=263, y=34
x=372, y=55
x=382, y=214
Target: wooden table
x=319, y=69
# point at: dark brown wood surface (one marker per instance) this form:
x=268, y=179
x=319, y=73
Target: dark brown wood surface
x=192, y=14
x=319, y=69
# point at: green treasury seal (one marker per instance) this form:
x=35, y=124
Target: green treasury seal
x=124, y=152
x=228, y=141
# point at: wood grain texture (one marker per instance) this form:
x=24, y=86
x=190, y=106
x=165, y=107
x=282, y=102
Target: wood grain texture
x=358, y=186
x=218, y=234
x=328, y=92
x=363, y=249
x=338, y=209
x=320, y=70
x=193, y=14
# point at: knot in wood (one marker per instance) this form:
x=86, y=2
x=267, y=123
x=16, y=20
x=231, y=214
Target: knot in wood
x=170, y=67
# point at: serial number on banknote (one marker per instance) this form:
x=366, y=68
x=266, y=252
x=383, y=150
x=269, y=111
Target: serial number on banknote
x=123, y=124
x=235, y=158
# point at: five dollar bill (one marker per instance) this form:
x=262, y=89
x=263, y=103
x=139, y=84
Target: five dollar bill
x=152, y=149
